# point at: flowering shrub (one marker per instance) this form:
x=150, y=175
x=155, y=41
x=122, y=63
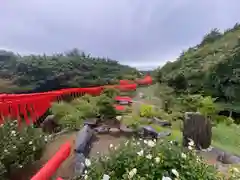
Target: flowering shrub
x=148, y=160
x=146, y=111
x=19, y=147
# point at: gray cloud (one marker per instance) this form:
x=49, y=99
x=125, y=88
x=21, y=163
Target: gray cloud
x=137, y=32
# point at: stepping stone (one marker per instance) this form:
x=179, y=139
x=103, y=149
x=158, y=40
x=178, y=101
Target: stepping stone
x=114, y=131
x=102, y=129
x=163, y=123
x=91, y=122
x=147, y=131
x=164, y=134
x=126, y=129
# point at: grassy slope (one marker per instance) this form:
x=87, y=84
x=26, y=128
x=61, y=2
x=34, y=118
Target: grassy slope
x=224, y=137
x=197, y=61
x=227, y=138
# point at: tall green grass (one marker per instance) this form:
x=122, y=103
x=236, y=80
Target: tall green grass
x=227, y=138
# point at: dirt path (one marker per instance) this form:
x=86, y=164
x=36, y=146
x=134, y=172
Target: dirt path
x=101, y=146
x=65, y=170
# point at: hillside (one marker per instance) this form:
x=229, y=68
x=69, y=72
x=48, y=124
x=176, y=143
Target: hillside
x=38, y=73
x=211, y=67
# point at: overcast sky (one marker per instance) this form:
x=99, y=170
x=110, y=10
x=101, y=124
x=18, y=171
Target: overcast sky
x=141, y=33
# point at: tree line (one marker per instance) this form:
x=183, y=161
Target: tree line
x=39, y=73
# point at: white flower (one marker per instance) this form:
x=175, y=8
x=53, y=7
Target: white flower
x=138, y=143
x=85, y=172
x=140, y=139
x=174, y=171
x=34, y=148
x=140, y=153
x=106, y=177
x=119, y=118
x=190, y=147
x=145, y=141
x=13, y=133
x=30, y=142
x=45, y=138
x=166, y=178
x=191, y=142
x=5, y=150
x=20, y=166
x=87, y=162
x=132, y=173
x=157, y=159
x=184, y=156
x=236, y=170
x=149, y=156
x=151, y=143
x=86, y=176
x=111, y=145
x=20, y=138
x=14, y=147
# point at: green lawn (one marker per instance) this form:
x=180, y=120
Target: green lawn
x=227, y=138
x=224, y=137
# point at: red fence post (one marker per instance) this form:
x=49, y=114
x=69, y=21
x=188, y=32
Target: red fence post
x=53, y=164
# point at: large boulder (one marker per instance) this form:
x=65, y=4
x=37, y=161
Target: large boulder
x=197, y=128
x=49, y=124
x=83, y=141
x=148, y=131
x=227, y=158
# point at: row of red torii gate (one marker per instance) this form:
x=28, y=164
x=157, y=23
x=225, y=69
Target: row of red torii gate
x=28, y=108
